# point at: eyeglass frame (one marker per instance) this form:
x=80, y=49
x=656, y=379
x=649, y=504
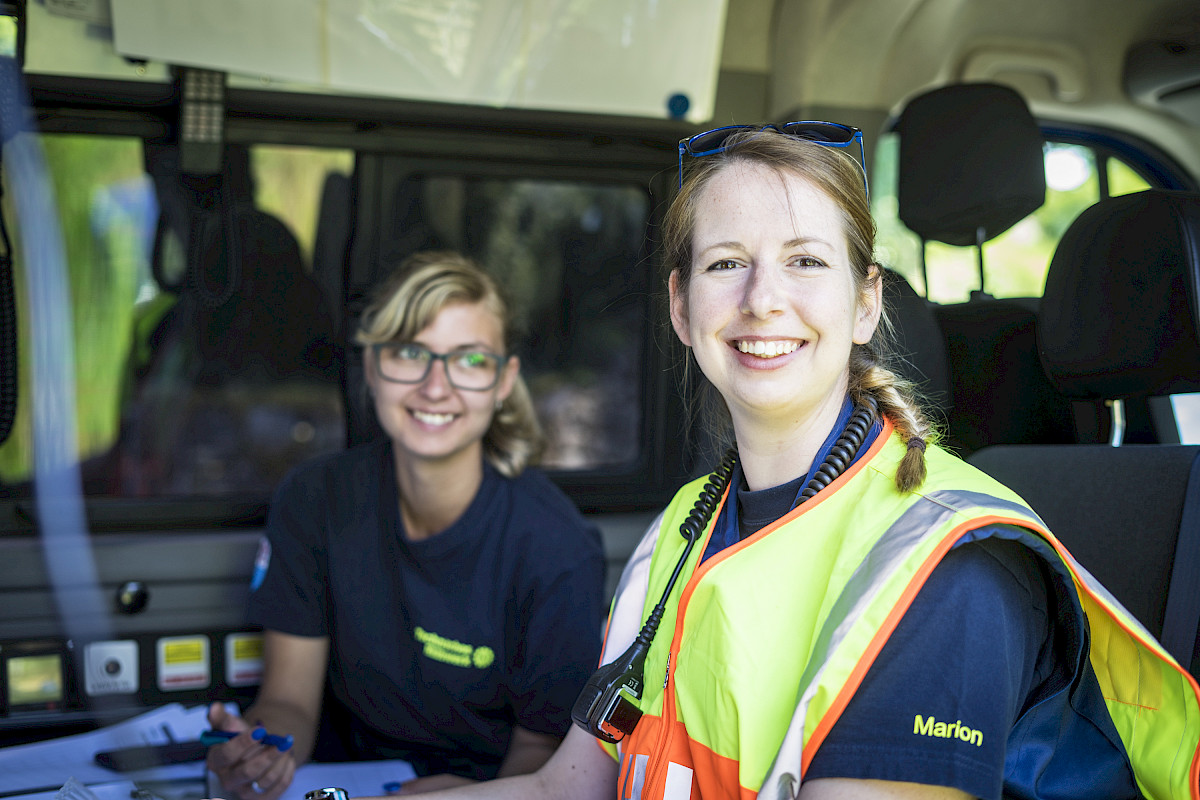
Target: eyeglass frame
x=500, y=360
x=856, y=135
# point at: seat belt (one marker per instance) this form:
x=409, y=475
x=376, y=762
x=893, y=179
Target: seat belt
x=1181, y=620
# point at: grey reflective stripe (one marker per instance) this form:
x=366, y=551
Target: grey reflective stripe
x=629, y=602
x=1097, y=589
x=889, y=552
x=962, y=500
x=986, y=501
x=639, y=776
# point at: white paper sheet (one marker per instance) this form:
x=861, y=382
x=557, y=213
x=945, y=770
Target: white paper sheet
x=39, y=770
x=47, y=765
x=73, y=790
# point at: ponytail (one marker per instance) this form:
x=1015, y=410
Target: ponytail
x=897, y=401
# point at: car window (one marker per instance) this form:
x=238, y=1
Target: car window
x=214, y=382
x=188, y=385
x=571, y=257
x=1187, y=417
x=288, y=182
x=1016, y=262
x=107, y=209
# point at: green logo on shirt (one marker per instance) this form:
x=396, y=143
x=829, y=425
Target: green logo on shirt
x=455, y=653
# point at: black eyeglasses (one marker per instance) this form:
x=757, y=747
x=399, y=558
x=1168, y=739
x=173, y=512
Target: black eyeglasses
x=830, y=134
x=473, y=370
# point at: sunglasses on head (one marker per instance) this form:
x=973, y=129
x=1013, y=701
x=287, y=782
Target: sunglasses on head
x=830, y=134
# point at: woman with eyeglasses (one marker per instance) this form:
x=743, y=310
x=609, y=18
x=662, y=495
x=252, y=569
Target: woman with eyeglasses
x=426, y=596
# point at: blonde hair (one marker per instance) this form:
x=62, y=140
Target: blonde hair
x=407, y=302
x=840, y=177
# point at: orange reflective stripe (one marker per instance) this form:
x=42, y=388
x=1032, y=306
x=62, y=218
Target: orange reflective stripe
x=717, y=776
x=804, y=508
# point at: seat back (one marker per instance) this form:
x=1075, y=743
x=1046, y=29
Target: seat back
x=1127, y=544
x=971, y=167
x=995, y=371
x=1119, y=320
x=241, y=379
x=970, y=160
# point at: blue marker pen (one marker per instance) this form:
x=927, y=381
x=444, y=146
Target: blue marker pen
x=282, y=743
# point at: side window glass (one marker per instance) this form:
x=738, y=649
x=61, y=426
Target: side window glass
x=1123, y=180
x=1016, y=262
x=197, y=375
x=1187, y=417
x=107, y=210
x=1076, y=177
x=290, y=182
x=572, y=259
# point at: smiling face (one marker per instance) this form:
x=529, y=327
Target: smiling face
x=432, y=420
x=771, y=306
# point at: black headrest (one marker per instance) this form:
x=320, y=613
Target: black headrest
x=1121, y=310
x=970, y=158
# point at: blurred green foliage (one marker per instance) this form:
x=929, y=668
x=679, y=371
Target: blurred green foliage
x=104, y=255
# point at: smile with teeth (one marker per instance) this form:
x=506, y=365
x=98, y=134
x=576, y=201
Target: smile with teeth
x=430, y=418
x=768, y=349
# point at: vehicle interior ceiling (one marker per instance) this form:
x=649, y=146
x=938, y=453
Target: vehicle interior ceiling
x=1120, y=78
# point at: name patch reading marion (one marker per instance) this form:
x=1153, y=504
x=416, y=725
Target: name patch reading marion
x=449, y=651
x=928, y=726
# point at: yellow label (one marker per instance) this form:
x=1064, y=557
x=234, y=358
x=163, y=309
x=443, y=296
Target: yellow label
x=251, y=647
x=183, y=652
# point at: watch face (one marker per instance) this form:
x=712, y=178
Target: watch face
x=330, y=793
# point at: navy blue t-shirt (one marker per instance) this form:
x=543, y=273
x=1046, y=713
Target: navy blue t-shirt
x=994, y=643
x=440, y=646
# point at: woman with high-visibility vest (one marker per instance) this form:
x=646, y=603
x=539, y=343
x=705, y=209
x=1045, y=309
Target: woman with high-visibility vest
x=843, y=609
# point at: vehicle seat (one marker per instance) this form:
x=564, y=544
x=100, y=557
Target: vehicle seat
x=971, y=167
x=920, y=350
x=1120, y=320
x=274, y=325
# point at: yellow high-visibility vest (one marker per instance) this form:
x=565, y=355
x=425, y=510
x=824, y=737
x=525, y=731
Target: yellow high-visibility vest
x=764, y=644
